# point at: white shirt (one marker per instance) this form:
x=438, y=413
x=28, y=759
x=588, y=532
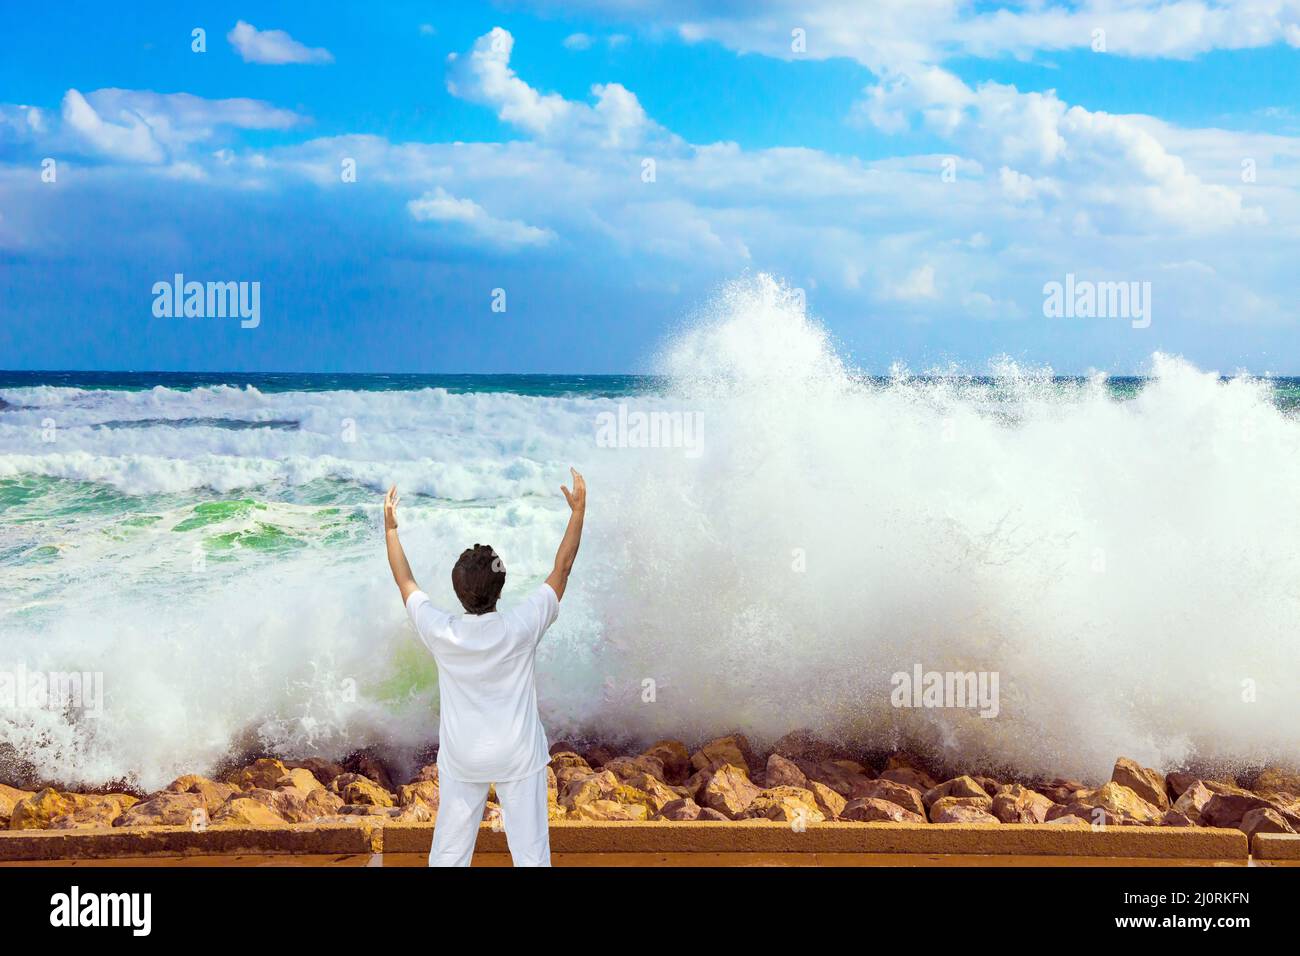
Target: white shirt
x=489, y=730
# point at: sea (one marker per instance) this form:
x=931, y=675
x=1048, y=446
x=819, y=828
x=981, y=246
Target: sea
x=773, y=537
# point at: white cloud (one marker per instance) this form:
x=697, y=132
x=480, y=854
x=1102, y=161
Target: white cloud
x=1113, y=165
x=440, y=206
x=886, y=34
x=132, y=140
x=140, y=126
x=484, y=75
x=577, y=41
x=273, y=47
x=918, y=284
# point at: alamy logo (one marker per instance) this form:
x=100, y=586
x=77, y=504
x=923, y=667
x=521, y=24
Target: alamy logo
x=208, y=300
x=21, y=689
x=657, y=429
x=75, y=908
x=966, y=689
x=1085, y=299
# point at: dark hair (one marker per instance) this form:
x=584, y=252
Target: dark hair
x=478, y=578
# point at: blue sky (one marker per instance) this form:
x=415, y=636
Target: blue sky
x=502, y=146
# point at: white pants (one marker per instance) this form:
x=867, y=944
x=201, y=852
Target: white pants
x=523, y=811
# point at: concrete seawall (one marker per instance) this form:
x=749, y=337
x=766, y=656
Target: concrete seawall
x=593, y=838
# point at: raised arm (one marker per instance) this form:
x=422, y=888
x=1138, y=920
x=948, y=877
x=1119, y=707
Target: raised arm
x=577, y=499
x=396, y=556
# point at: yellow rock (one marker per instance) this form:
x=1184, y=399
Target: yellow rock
x=1145, y=782
x=9, y=797
x=425, y=792
x=1122, y=802
x=213, y=792
x=600, y=785
x=724, y=750
x=364, y=791
x=299, y=780
x=728, y=790
x=786, y=803
x=167, y=808
x=674, y=756
x=245, y=811
x=260, y=773
x=830, y=803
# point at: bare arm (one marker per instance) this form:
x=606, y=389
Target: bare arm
x=577, y=500
x=396, y=556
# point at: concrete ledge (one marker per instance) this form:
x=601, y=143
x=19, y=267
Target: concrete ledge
x=118, y=842
x=1275, y=846
x=764, y=836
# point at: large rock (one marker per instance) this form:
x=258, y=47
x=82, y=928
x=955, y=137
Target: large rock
x=1015, y=803
x=732, y=750
x=245, y=811
x=1228, y=809
x=1176, y=818
x=1145, y=782
x=648, y=789
x=805, y=745
x=785, y=803
x=594, y=785
x=167, y=809
x=1177, y=781
x=783, y=772
x=1192, y=800
x=93, y=810
x=323, y=770
x=41, y=810
x=1263, y=820
x=962, y=810
x=366, y=763
x=875, y=810
x=1120, y=803
x=843, y=780
x=358, y=789
x=9, y=798
x=906, y=797
x=963, y=786
x=260, y=773
x=568, y=766
x=674, y=756
x=830, y=803
x=424, y=792
x=729, y=791
x=213, y=792
x=300, y=780
x=625, y=767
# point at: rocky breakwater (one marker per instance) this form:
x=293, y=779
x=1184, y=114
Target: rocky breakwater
x=800, y=781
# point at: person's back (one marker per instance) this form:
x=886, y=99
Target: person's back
x=489, y=729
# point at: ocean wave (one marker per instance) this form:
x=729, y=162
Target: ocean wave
x=1125, y=564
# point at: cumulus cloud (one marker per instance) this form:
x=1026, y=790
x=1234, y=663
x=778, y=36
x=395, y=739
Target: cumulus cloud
x=141, y=126
x=131, y=139
x=484, y=75
x=273, y=47
x=440, y=206
x=1114, y=164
